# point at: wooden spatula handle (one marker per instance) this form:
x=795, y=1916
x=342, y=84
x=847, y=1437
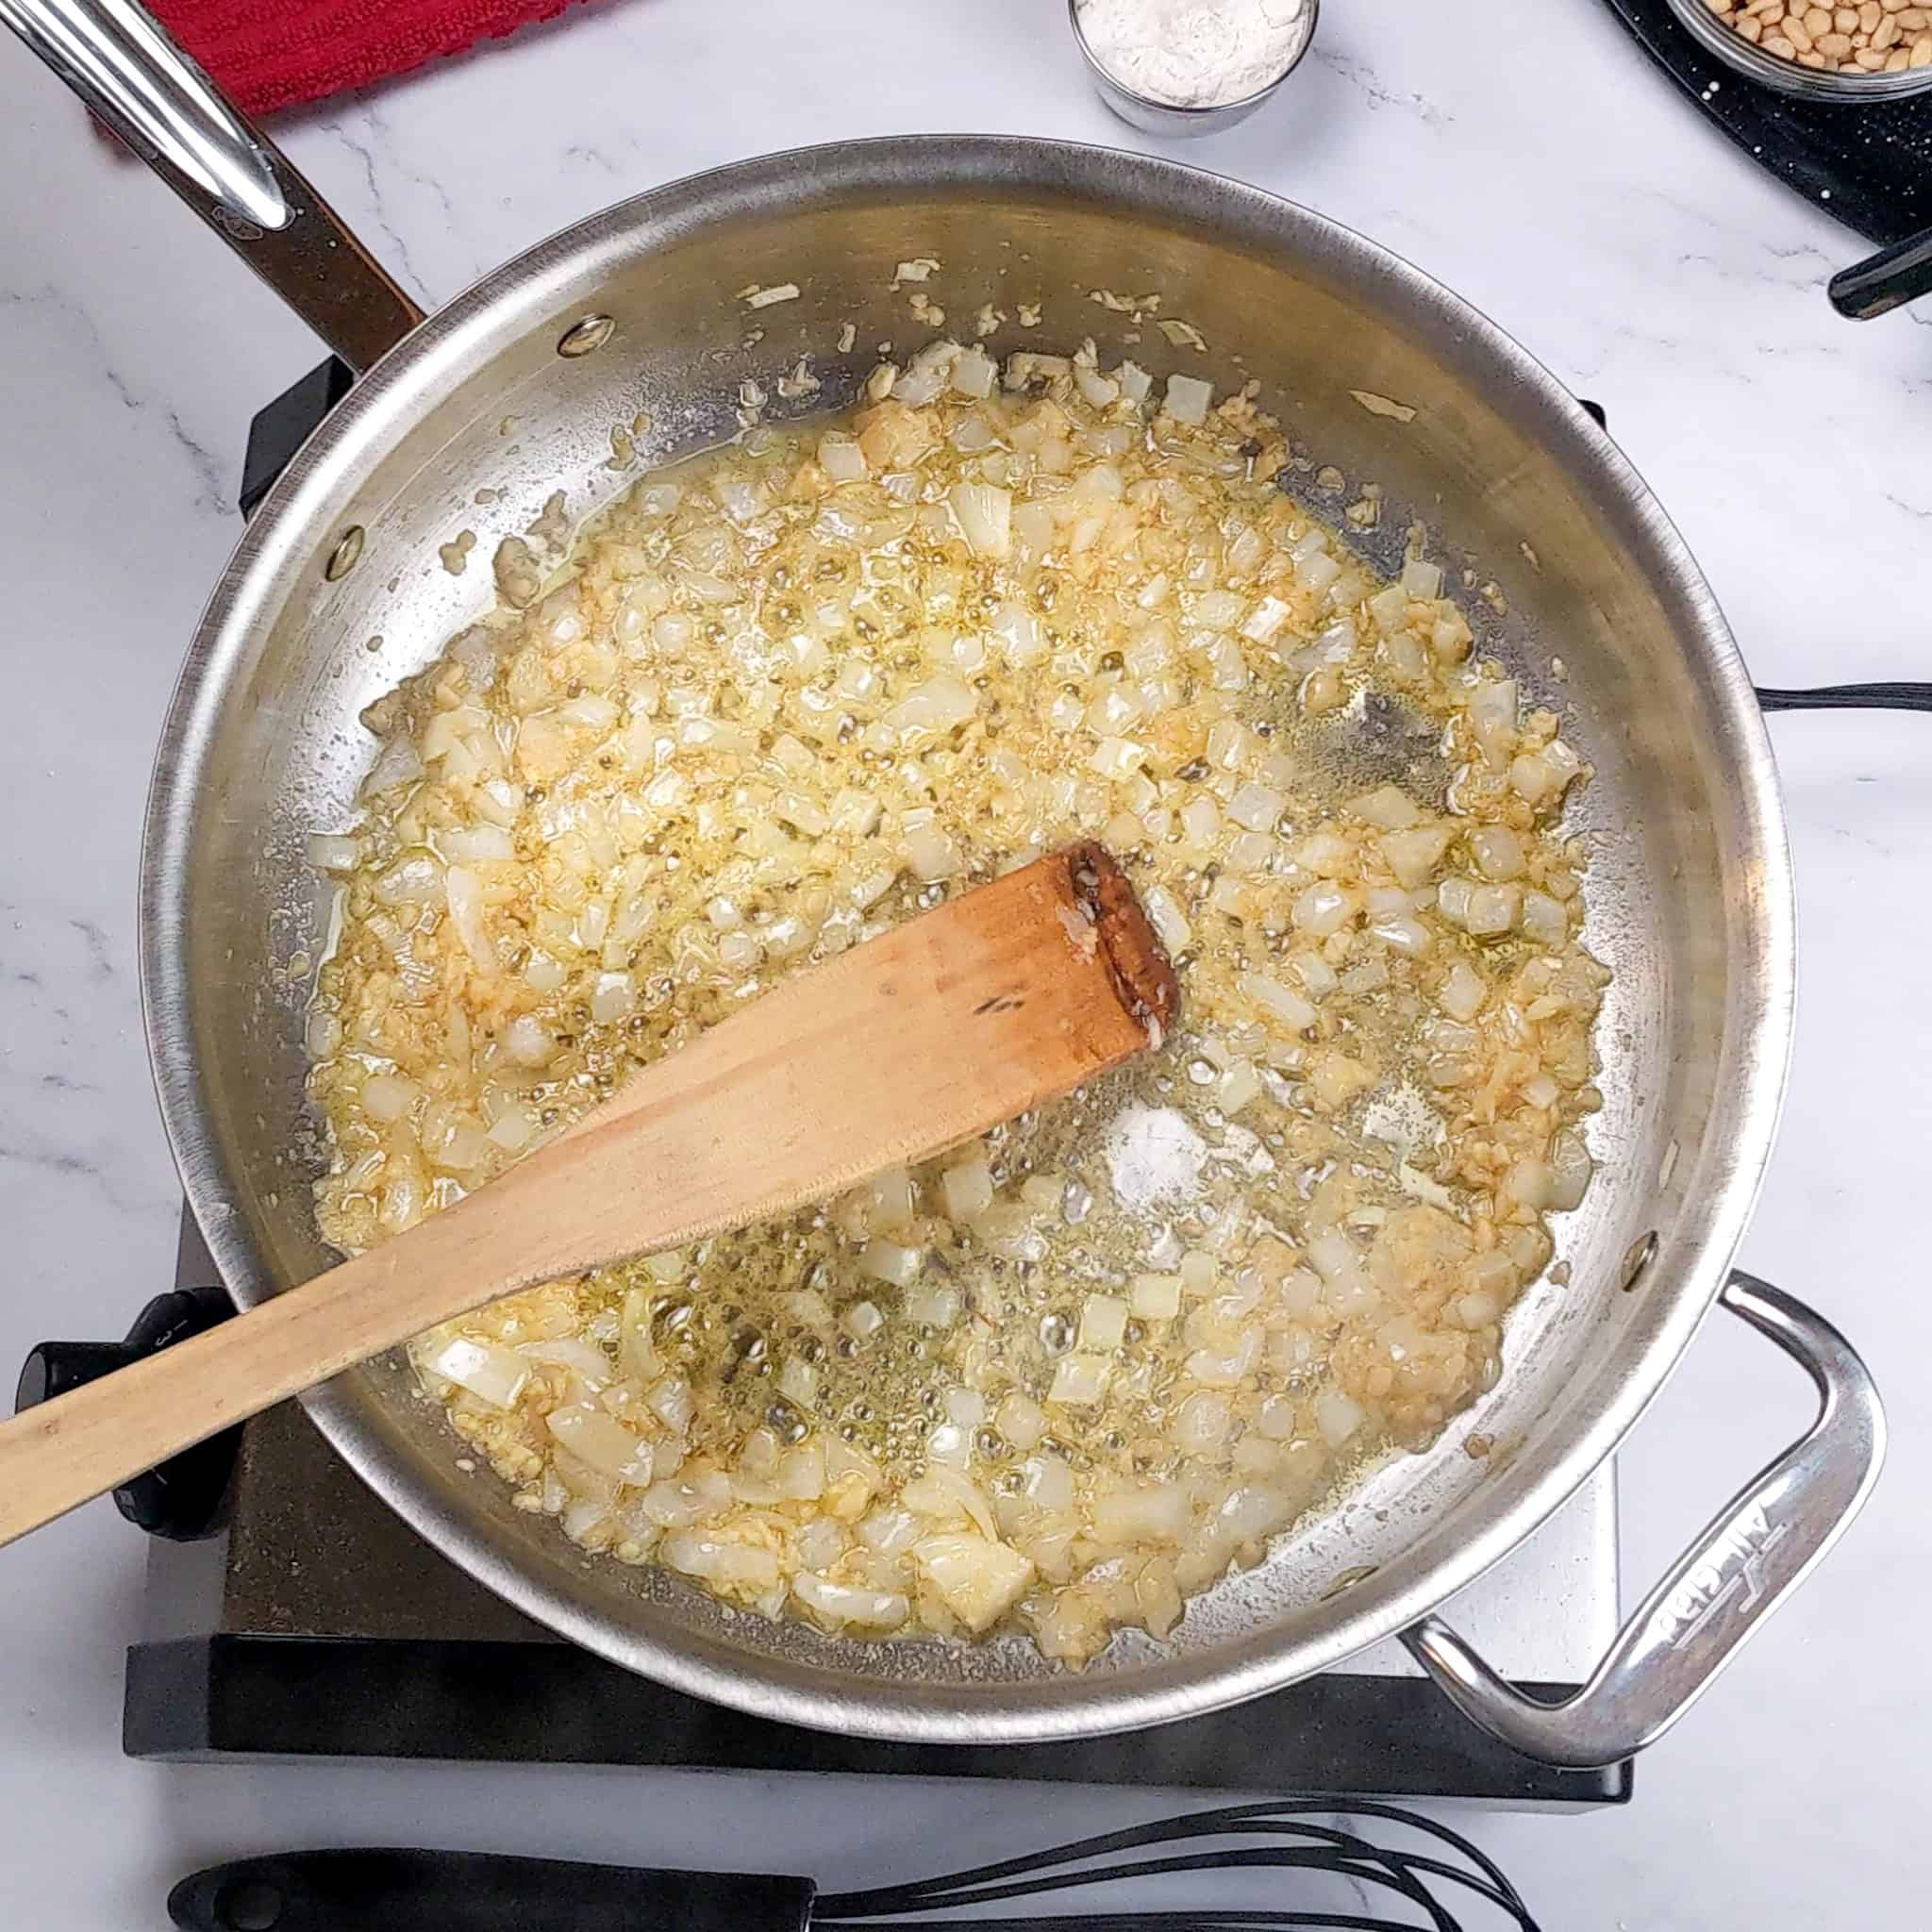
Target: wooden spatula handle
x=890, y=1053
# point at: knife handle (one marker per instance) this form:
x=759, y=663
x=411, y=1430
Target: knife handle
x=379, y=1891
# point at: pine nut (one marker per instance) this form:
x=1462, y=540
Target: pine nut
x=1851, y=37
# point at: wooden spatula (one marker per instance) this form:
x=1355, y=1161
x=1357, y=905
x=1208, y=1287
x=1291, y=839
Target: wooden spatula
x=958, y=1019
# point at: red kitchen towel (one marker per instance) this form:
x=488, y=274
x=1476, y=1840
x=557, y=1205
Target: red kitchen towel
x=270, y=54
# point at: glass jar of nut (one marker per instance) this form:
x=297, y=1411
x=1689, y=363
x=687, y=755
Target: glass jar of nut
x=1848, y=50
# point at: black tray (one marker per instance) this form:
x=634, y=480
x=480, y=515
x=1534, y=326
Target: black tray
x=1870, y=165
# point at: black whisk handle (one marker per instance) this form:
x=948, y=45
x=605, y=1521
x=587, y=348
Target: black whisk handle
x=381, y=1890
x=1849, y=697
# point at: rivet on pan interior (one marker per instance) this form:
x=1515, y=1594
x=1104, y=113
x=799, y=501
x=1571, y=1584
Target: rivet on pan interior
x=343, y=559
x=1638, y=1257
x=1348, y=1579
x=591, y=333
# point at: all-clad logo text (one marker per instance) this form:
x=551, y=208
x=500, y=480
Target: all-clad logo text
x=1735, y=1563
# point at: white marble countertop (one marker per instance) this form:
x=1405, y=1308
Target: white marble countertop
x=1522, y=152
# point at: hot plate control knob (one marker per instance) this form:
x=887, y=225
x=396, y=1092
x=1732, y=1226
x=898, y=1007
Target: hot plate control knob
x=182, y=1498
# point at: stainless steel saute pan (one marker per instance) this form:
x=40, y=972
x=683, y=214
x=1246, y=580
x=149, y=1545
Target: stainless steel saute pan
x=335, y=594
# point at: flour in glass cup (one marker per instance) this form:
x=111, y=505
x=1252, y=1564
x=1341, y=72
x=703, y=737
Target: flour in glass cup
x=1195, y=53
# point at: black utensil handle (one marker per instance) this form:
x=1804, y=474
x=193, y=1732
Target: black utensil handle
x=1886, y=281
x=378, y=1891
x=1850, y=697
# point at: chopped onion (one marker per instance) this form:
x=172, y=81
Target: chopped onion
x=985, y=518
x=1164, y=914
x=974, y=374
x=1493, y=910
x=1279, y=1002
x=1389, y=608
x=415, y=879
x=478, y=845
x=1202, y=1422
x=890, y=1531
x=333, y=851
x=465, y=893
x=1388, y=807
x=614, y=995
x=670, y=1401
x=975, y=1577
x=1530, y=1183
x=730, y=1565
x=863, y=1320
x=966, y=1191
x=1544, y=920
x=840, y=457
x=1020, y=1421
x=1262, y=625
x=1116, y=758
x=1318, y=573
x=601, y=1442
x=1019, y=635
x=798, y=1382
x=1103, y=1324
x=1413, y=855
x=1570, y=1169
x=1187, y=398
x=1155, y=1297
x=492, y=1375
x=387, y=1097
x=1146, y=1512
x=1338, y=1416
x=528, y=1042
x=768, y=712
x=944, y=1495
x=1257, y=807
x=931, y=853
x=685, y=1500
x=889, y=1263
x=850, y=1603
x=1497, y=851
x=1463, y=992
x=1321, y=908
x=1079, y=1379
x=1493, y=713
x=936, y=706
x=399, y=764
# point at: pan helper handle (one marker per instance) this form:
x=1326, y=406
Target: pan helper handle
x=1748, y=1557
x=117, y=57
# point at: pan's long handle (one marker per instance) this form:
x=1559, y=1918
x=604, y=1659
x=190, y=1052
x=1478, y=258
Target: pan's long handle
x=121, y=62
x=1884, y=281
x=1758, y=1547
